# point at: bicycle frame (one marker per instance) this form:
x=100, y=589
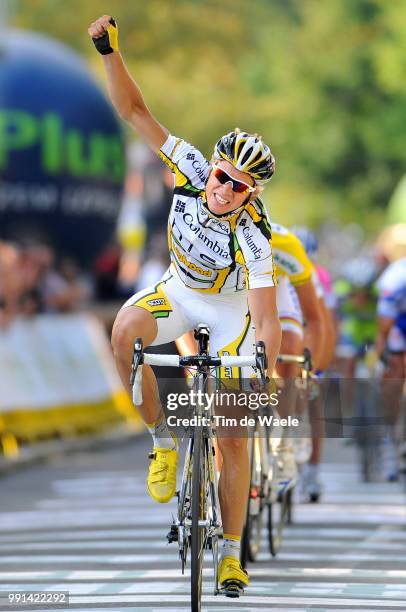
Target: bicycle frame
x=213, y=523
x=199, y=472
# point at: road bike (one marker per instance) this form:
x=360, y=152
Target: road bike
x=197, y=526
x=265, y=493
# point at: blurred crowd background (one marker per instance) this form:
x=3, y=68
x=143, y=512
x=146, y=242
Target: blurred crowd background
x=322, y=82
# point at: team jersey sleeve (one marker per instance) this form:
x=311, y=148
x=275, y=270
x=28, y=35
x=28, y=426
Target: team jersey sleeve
x=254, y=238
x=387, y=307
x=189, y=166
x=391, y=286
x=317, y=284
x=290, y=257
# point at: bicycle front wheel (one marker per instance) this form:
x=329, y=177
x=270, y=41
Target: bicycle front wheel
x=279, y=510
x=198, y=532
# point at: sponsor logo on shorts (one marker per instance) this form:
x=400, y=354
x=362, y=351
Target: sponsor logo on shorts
x=156, y=302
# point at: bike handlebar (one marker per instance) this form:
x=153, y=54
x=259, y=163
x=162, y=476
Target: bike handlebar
x=305, y=359
x=257, y=360
x=196, y=360
x=188, y=361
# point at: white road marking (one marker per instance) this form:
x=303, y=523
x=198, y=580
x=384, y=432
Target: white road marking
x=308, y=601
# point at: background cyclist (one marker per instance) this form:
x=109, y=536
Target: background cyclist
x=310, y=485
x=302, y=325
x=390, y=346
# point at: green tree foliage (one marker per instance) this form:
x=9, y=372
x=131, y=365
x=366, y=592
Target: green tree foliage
x=323, y=82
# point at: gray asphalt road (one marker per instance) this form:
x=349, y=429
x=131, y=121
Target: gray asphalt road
x=83, y=523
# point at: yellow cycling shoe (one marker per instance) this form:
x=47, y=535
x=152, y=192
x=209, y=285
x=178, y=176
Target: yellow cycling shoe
x=232, y=577
x=162, y=473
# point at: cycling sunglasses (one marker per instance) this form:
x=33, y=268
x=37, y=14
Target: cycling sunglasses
x=223, y=177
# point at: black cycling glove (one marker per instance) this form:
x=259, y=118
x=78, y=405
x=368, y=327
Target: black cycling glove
x=108, y=43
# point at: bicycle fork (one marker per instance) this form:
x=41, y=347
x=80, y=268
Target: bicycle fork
x=180, y=528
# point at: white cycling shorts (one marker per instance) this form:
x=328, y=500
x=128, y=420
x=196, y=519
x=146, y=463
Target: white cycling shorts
x=396, y=340
x=179, y=309
x=289, y=311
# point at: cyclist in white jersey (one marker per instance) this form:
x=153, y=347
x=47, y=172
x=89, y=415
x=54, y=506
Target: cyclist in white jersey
x=221, y=273
x=391, y=338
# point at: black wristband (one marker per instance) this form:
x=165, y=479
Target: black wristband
x=102, y=44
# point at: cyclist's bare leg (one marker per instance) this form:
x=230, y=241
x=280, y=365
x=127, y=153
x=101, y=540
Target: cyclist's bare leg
x=131, y=323
x=392, y=387
x=345, y=366
x=292, y=344
x=234, y=482
x=187, y=344
x=317, y=425
x=315, y=457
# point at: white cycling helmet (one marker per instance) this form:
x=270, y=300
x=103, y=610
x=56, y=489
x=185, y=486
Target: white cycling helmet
x=360, y=272
x=247, y=153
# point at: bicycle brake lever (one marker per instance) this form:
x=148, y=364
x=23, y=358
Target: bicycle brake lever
x=137, y=359
x=308, y=359
x=261, y=361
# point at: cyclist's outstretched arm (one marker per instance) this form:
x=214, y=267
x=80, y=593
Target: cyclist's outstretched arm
x=124, y=92
x=385, y=324
x=328, y=341
x=264, y=313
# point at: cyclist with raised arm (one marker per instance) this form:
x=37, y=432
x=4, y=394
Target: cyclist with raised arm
x=221, y=273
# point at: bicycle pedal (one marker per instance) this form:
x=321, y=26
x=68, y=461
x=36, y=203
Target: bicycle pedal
x=232, y=589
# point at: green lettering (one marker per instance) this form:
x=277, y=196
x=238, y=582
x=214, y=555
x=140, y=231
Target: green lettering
x=75, y=158
x=18, y=130
x=117, y=159
x=107, y=157
x=98, y=146
x=52, y=151
x=97, y=155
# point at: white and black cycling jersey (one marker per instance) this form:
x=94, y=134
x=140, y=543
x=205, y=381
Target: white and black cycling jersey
x=209, y=253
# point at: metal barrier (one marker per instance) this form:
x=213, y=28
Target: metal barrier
x=58, y=380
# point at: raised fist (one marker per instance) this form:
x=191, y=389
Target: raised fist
x=104, y=33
